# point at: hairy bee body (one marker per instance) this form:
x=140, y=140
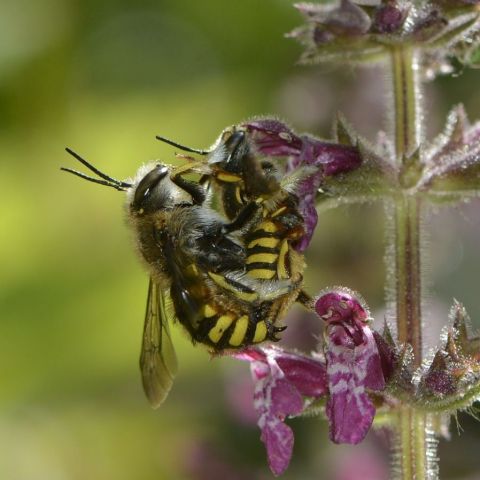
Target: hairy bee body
x=203, y=268
x=227, y=277
x=174, y=246
x=198, y=275
x=240, y=179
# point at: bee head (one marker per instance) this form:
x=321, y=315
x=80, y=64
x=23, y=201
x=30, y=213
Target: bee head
x=155, y=191
x=231, y=148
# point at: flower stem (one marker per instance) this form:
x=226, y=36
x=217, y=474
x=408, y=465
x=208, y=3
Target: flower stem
x=407, y=100
x=415, y=445
x=408, y=288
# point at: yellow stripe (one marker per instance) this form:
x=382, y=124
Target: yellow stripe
x=278, y=212
x=221, y=282
x=262, y=257
x=264, y=242
x=281, y=265
x=238, y=197
x=260, y=332
x=238, y=335
x=208, y=311
x=216, y=332
x=269, y=227
x=228, y=177
x=262, y=273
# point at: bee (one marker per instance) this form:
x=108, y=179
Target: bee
x=240, y=178
x=197, y=265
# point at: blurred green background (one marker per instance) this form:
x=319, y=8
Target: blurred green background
x=104, y=77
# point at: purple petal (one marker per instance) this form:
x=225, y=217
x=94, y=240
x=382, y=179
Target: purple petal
x=309, y=213
x=274, y=399
x=281, y=378
x=251, y=354
x=349, y=408
x=278, y=439
x=340, y=306
x=374, y=379
x=308, y=375
x=388, y=18
x=330, y=159
x=273, y=138
x=353, y=365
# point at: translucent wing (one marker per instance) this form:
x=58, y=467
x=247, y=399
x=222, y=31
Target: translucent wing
x=158, y=361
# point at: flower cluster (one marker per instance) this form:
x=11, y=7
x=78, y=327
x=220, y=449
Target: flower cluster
x=325, y=159
x=357, y=370
x=352, y=363
x=354, y=31
x=455, y=368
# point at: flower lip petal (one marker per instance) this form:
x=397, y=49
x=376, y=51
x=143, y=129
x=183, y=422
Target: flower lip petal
x=309, y=376
x=353, y=365
x=282, y=378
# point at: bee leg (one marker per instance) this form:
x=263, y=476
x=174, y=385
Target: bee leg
x=276, y=330
x=196, y=191
x=243, y=218
x=305, y=299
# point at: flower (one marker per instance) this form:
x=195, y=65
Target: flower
x=282, y=379
x=272, y=138
x=353, y=365
x=286, y=381
x=352, y=31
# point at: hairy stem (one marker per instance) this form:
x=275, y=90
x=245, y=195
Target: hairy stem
x=415, y=446
x=408, y=288
x=407, y=100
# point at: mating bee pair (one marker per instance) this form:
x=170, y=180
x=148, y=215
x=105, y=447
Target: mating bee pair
x=227, y=276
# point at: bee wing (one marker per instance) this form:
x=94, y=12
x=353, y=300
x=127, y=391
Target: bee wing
x=158, y=362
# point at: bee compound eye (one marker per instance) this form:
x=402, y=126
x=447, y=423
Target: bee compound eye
x=234, y=139
x=147, y=184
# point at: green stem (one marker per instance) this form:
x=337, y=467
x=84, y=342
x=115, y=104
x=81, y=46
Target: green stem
x=415, y=452
x=407, y=98
x=408, y=288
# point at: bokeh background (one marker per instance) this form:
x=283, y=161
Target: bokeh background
x=103, y=77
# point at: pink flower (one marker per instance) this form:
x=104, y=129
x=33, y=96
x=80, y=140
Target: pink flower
x=285, y=382
x=273, y=138
x=353, y=366
x=282, y=379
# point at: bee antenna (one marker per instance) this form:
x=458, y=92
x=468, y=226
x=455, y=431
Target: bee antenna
x=94, y=180
x=111, y=182
x=182, y=147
